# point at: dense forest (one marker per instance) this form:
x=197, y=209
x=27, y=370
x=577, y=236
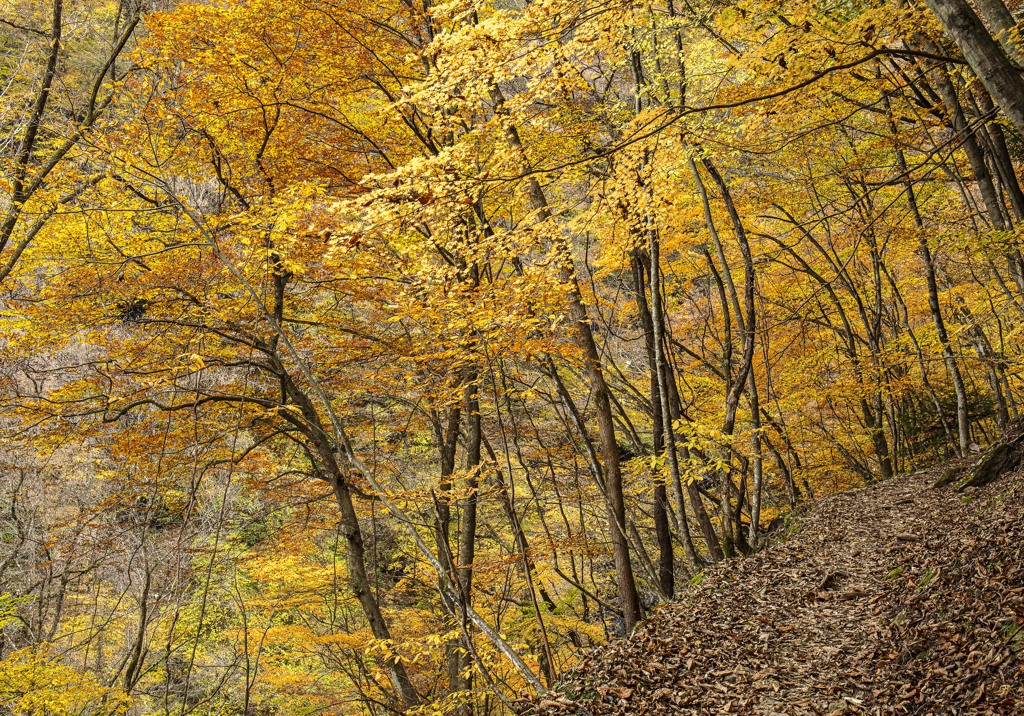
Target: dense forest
x=376, y=357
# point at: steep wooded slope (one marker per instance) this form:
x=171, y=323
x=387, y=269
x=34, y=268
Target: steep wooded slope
x=897, y=598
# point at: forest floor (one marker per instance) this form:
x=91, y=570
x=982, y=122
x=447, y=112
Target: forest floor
x=899, y=598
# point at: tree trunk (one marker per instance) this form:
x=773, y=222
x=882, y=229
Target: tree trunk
x=666, y=419
x=447, y=437
x=1000, y=19
x=984, y=55
x=662, y=530
x=975, y=154
x=359, y=583
x=962, y=418
x=355, y=550
x=874, y=422
x=746, y=319
x=615, y=499
x=458, y=660
x=616, y=504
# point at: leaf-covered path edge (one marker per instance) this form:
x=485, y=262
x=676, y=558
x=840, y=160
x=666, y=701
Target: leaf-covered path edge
x=900, y=597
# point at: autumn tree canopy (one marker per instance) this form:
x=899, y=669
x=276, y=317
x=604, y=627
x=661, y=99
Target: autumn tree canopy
x=375, y=357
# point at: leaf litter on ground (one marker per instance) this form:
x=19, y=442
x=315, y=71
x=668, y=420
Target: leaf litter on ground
x=899, y=598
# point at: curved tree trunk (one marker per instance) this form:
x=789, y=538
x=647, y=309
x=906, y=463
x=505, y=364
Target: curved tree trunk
x=615, y=498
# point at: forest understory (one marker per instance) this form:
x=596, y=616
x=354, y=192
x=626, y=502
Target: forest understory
x=898, y=598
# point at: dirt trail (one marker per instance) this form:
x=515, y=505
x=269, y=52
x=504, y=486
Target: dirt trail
x=897, y=598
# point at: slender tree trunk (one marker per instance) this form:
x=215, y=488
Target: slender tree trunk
x=874, y=421
x=545, y=658
x=134, y=672
x=1001, y=157
x=458, y=659
x=674, y=408
x=18, y=189
x=355, y=549
x=696, y=500
x=992, y=361
x=962, y=418
x=951, y=438
x=359, y=583
x=467, y=534
x=447, y=437
x=662, y=530
x=447, y=441
x=994, y=209
x=616, y=503
x=756, y=487
x=615, y=498
x=746, y=319
x=671, y=453
x=975, y=154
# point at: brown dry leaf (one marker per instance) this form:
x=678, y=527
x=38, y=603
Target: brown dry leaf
x=910, y=625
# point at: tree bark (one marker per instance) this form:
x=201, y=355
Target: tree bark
x=962, y=417
x=746, y=319
x=696, y=501
x=662, y=529
x=458, y=660
x=355, y=549
x=1000, y=19
x=984, y=55
x=584, y=335
x=657, y=320
x=359, y=583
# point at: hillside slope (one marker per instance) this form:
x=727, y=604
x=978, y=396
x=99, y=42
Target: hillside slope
x=897, y=598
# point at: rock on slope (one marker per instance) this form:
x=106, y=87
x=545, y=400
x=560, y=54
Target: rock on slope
x=897, y=598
